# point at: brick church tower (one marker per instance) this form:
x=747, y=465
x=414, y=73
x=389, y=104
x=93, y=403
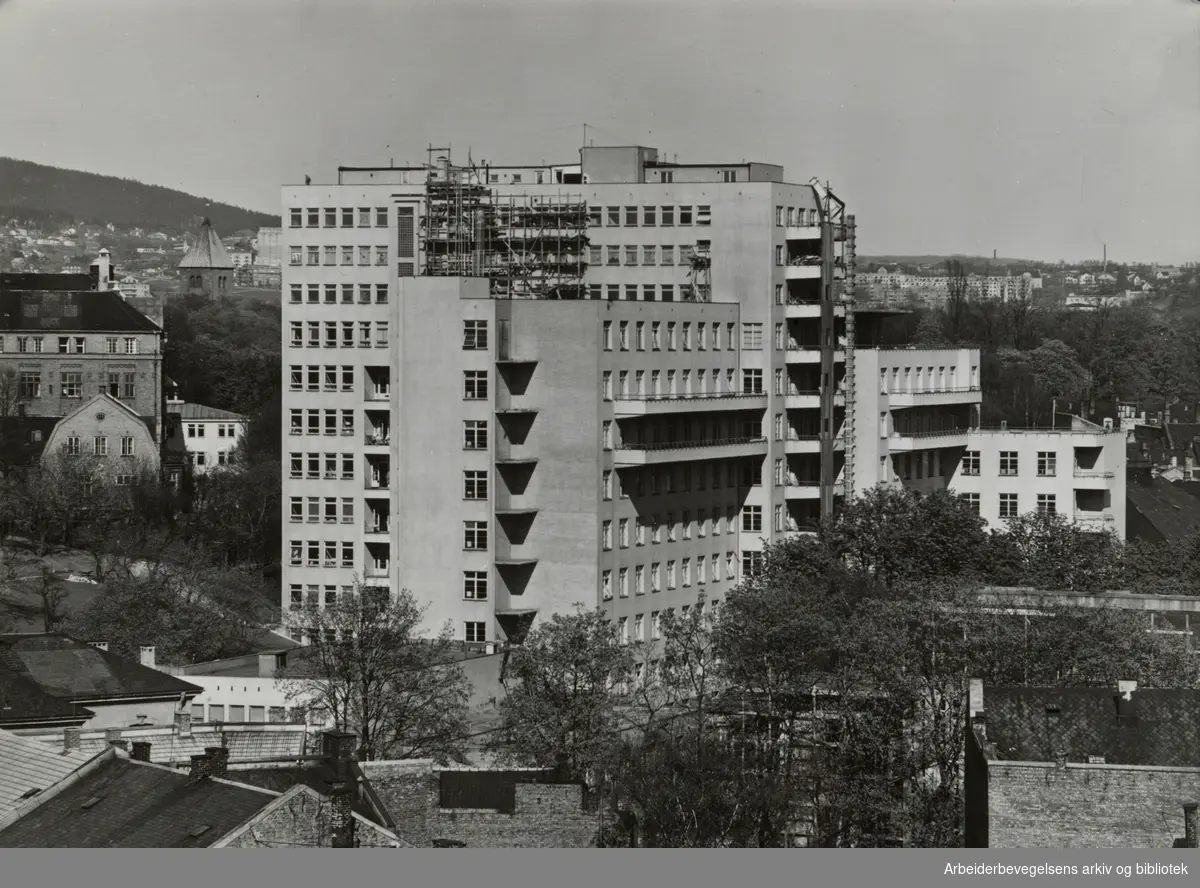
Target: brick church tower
x=206, y=267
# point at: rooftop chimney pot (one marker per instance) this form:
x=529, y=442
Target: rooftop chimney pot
x=147, y=656
x=71, y=740
x=218, y=759
x=183, y=723
x=201, y=768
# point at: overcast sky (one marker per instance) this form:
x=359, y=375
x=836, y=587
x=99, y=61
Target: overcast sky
x=1039, y=129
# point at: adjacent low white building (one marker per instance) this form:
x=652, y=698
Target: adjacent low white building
x=1077, y=471
x=210, y=435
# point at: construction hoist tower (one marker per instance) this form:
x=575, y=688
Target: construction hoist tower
x=832, y=212
x=850, y=260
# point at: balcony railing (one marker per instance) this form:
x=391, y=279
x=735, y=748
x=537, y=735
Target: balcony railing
x=379, y=440
x=934, y=433
x=690, y=396
x=376, y=526
x=1093, y=473
x=691, y=445
x=933, y=390
x=376, y=573
x=378, y=396
x=376, y=484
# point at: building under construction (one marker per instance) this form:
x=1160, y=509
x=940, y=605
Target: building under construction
x=528, y=246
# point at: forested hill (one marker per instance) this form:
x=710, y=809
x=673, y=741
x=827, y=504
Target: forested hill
x=47, y=194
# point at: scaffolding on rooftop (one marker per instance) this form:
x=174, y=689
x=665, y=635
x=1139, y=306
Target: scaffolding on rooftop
x=529, y=246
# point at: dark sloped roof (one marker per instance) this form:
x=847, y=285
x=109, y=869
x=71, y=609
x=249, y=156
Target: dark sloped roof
x=23, y=703
x=75, y=311
x=1167, y=508
x=138, y=806
x=206, y=251
x=317, y=776
x=39, y=280
x=1163, y=732
x=72, y=669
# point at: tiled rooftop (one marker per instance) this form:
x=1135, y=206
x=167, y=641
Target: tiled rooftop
x=127, y=804
x=207, y=251
x=27, y=766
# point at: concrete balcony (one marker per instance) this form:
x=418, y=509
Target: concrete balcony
x=803, y=232
x=803, y=272
x=906, y=442
x=374, y=529
x=663, y=453
x=661, y=405
x=810, y=310
x=380, y=439
x=375, y=573
x=1093, y=479
x=811, y=354
x=1095, y=520
x=376, y=485
x=935, y=397
x=810, y=400
x=801, y=490
x=802, y=444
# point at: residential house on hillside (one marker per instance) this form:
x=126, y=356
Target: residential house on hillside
x=208, y=435
x=1082, y=767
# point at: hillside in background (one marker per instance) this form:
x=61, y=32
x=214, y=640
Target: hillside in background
x=45, y=194
x=935, y=260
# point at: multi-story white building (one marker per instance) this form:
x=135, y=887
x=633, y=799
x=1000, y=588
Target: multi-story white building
x=1077, y=471
x=209, y=435
x=512, y=390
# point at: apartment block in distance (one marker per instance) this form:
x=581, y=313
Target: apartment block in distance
x=609, y=383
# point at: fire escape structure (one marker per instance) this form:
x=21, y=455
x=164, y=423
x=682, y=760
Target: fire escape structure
x=529, y=246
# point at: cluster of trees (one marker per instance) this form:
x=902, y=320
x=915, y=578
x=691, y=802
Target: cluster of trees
x=1035, y=352
x=191, y=571
x=32, y=190
x=829, y=690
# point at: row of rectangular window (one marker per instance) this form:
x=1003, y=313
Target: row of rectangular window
x=648, y=216
x=74, y=446
x=795, y=216
x=368, y=255
x=662, y=334
x=655, y=627
x=640, y=292
x=650, y=529
x=331, y=292
x=309, y=554
x=331, y=338
x=315, y=466
x=1047, y=504
x=1047, y=463
x=680, y=383
x=657, y=255
x=73, y=345
x=224, y=430
x=329, y=217
x=315, y=378
x=318, y=509
x=657, y=578
x=308, y=422
x=119, y=385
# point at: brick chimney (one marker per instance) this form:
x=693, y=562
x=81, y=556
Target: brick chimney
x=70, y=739
x=112, y=736
x=218, y=760
x=183, y=723
x=1191, y=825
x=147, y=656
x=339, y=750
x=141, y=751
x=201, y=768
